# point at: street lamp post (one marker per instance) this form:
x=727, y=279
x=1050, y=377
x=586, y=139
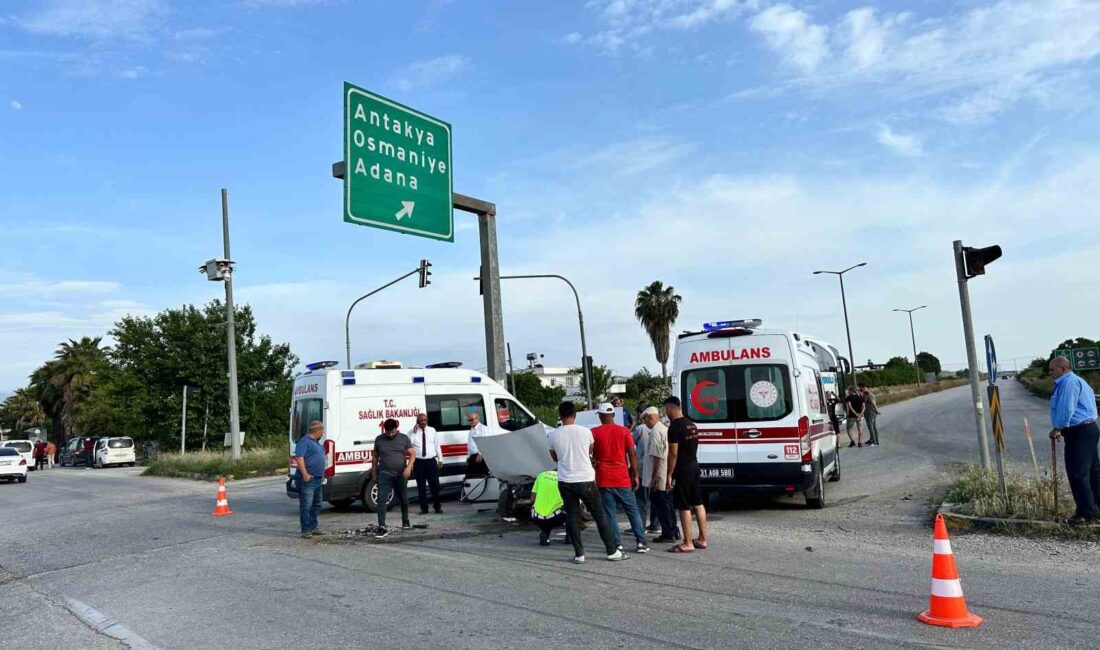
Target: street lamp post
x=580, y=322
x=913, y=338
x=844, y=302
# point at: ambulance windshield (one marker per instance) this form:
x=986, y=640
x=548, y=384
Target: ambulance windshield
x=740, y=393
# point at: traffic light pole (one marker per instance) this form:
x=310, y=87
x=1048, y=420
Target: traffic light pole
x=971, y=357
x=347, y=319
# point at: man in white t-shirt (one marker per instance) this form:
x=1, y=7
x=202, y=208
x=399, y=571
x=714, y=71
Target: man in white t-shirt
x=571, y=447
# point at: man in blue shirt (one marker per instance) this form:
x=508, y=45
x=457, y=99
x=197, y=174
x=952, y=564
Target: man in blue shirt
x=310, y=458
x=1073, y=416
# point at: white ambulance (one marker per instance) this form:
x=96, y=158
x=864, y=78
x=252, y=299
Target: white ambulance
x=759, y=400
x=353, y=404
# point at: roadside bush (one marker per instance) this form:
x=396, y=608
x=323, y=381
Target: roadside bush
x=1029, y=497
x=209, y=465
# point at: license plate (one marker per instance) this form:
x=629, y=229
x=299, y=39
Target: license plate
x=718, y=473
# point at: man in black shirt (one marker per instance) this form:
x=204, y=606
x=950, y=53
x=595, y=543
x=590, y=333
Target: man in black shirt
x=855, y=406
x=391, y=466
x=683, y=476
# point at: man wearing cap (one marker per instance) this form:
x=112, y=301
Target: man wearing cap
x=615, y=461
x=1073, y=416
x=571, y=448
x=654, y=478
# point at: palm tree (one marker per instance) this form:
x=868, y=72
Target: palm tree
x=72, y=372
x=657, y=308
x=22, y=409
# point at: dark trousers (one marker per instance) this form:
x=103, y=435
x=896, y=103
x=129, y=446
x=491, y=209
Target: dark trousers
x=476, y=467
x=41, y=461
x=661, y=502
x=426, y=473
x=397, y=484
x=1083, y=466
x=574, y=494
x=546, y=526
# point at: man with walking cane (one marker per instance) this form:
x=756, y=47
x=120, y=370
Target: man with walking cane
x=1073, y=416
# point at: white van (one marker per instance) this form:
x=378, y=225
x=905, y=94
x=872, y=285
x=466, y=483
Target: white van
x=115, y=450
x=759, y=400
x=353, y=404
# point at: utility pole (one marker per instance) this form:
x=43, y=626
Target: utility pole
x=844, y=303
x=183, y=422
x=970, y=262
x=511, y=370
x=231, y=337
x=913, y=336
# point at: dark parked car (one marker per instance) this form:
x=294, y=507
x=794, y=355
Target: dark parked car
x=72, y=454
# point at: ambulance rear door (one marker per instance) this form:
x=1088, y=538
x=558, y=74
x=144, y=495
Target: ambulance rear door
x=705, y=399
x=761, y=386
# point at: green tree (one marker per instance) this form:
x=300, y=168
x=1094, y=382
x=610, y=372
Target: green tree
x=928, y=362
x=657, y=307
x=530, y=391
x=63, y=383
x=602, y=379
x=21, y=410
x=646, y=389
x=157, y=356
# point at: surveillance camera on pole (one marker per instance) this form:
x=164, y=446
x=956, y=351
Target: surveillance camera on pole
x=971, y=262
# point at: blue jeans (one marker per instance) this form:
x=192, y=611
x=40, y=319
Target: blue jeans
x=641, y=497
x=309, y=503
x=622, y=497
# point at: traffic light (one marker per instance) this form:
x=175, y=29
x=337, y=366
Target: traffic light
x=425, y=273
x=975, y=259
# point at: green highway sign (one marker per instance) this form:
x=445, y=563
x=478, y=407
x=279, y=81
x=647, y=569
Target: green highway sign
x=1081, y=358
x=397, y=167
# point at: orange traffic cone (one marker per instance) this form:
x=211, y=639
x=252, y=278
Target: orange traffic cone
x=947, y=607
x=221, y=508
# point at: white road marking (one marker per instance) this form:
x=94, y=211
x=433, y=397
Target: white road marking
x=106, y=625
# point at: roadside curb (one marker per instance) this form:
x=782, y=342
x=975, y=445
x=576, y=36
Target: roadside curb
x=195, y=476
x=960, y=522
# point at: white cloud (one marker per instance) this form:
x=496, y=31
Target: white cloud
x=133, y=73
x=979, y=62
x=110, y=19
x=791, y=33
x=635, y=156
x=34, y=287
x=16, y=105
x=430, y=72
x=901, y=144
x=626, y=22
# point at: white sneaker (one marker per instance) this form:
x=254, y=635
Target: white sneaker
x=578, y=560
x=617, y=556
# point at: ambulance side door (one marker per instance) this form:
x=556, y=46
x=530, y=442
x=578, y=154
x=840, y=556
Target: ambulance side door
x=448, y=406
x=363, y=411
x=704, y=395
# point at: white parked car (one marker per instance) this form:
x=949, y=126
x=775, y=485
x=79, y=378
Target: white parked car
x=115, y=451
x=25, y=449
x=13, y=467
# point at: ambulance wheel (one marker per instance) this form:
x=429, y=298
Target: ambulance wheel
x=342, y=504
x=815, y=496
x=370, y=497
x=835, y=476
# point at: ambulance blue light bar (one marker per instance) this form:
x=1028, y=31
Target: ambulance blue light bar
x=348, y=376
x=418, y=380
x=475, y=380
x=321, y=365
x=748, y=323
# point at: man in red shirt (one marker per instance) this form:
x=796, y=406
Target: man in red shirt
x=616, y=461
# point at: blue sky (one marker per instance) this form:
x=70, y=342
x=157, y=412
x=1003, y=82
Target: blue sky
x=726, y=147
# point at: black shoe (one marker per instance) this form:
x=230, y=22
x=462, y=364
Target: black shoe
x=860, y=445
x=381, y=532
x=851, y=444
x=544, y=538
x=439, y=511
x=424, y=511
x=406, y=525
x=662, y=540
x=1078, y=520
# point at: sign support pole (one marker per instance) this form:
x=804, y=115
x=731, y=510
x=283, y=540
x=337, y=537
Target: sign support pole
x=494, y=319
x=183, y=422
x=971, y=358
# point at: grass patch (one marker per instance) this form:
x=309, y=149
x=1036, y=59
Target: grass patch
x=894, y=394
x=208, y=465
x=1029, y=497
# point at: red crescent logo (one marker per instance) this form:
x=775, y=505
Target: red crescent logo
x=701, y=402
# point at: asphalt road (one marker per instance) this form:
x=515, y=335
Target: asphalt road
x=146, y=557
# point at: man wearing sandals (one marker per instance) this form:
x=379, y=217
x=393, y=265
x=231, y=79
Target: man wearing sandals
x=684, y=476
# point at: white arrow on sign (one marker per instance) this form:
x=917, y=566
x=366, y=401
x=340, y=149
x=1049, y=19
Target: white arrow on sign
x=406, y=210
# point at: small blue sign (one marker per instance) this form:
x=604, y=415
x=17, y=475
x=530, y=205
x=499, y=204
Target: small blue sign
x=991, y=359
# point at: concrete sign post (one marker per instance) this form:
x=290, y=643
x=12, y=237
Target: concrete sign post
x=398, y=167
